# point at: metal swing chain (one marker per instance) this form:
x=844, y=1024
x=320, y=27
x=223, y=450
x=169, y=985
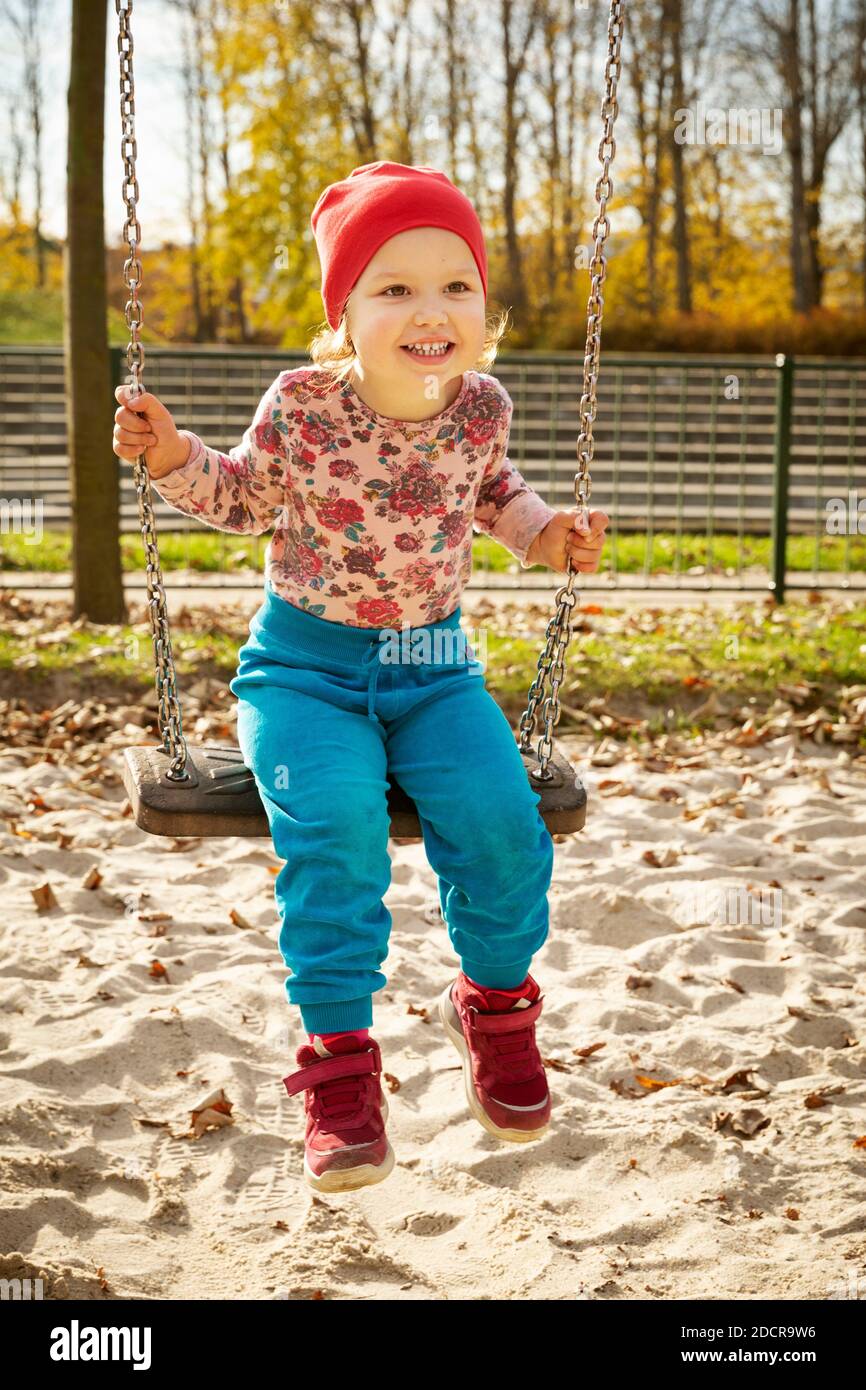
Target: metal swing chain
x=168, y=704
x=559, y=630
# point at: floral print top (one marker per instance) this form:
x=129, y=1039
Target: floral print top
x=373, y=517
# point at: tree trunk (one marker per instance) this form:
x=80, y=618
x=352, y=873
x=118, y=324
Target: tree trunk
x=453, y=77
x=655, y=189
x=513, y=65
x=363, y=58
x=795, y=153
x=569, y=219
x=34, y=93
x=94, y=474
x=554, y=160
x=480, y=179
x=236, y=285
x=814, y=183
x=649, y=42
x=188, y=143
x=678, y=96
x=208, y=324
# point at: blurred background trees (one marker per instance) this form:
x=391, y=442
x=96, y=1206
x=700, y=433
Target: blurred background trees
x=748, y=234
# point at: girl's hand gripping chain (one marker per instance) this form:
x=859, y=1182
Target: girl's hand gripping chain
x=575, y=534
x=144, y=424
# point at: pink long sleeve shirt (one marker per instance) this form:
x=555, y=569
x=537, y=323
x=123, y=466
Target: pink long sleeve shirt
x=373, y=517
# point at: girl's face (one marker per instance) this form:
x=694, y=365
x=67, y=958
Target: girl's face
x=421, y=285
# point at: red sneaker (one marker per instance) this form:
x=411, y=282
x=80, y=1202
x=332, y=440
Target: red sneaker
x=345, y=1144
x=494, y=1032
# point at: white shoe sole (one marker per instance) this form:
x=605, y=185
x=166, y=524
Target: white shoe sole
x=347, y=1179
x=451, y=1023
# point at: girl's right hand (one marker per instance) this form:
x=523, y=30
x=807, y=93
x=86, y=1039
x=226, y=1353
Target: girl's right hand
x=144, y=424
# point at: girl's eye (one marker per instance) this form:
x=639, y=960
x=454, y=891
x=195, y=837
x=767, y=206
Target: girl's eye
x=462, y=283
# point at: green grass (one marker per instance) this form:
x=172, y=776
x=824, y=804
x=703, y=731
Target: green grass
x=725, y=554
x=652, y=664
x=213, y=552
x=35, y=318
x=661, y=658
x=122, y=652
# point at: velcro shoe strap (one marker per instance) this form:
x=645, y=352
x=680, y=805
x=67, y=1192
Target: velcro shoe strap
x=329, y=1069
x=510, y=1022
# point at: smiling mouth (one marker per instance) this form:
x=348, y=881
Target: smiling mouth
x=426, y=355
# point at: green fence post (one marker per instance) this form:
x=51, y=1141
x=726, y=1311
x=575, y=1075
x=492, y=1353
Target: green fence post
x=781, y=470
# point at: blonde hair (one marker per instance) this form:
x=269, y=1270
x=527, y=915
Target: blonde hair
x=333, y=351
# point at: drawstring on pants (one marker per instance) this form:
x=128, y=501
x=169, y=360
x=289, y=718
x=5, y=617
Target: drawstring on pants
x=371, y=658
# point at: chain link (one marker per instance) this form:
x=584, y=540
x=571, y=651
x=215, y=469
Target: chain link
x=559, y=629
x=168, y=704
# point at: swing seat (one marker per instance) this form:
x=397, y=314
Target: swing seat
x=221, y=797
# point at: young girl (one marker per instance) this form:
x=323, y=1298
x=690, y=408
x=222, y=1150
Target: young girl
x=374, y=464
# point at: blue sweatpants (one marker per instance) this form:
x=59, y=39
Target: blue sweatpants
x=325, y=711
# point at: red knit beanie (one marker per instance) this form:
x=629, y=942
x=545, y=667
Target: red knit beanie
x=356, y=216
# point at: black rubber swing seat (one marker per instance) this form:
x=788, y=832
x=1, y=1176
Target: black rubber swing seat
x=221, y=797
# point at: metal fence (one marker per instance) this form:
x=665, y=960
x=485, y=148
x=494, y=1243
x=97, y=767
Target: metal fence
x=732, y=446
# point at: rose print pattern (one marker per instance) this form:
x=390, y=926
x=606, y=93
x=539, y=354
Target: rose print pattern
x=373, y=518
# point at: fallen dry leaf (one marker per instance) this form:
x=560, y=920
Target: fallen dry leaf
x=609, y=786
x=742, y=1078
x=622, y=1089
x=670, y=856
x=555, y=1064
x=43, y=896
x=652, y=1083
x=212, y=1113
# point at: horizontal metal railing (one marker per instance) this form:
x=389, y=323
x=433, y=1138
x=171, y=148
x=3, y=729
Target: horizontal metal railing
x=722, y=446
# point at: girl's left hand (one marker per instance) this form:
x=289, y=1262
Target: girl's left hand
x=560, y=541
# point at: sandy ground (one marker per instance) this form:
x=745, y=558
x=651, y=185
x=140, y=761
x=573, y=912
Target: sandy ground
x=704, y=1030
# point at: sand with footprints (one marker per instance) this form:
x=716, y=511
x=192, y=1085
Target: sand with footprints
x=704, y=1029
